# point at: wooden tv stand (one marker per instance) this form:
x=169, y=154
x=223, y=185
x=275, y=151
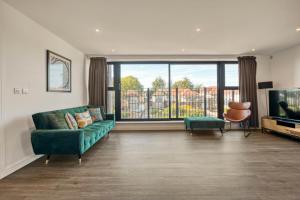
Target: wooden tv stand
x=281, y=126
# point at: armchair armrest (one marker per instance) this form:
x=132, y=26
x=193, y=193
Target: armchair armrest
x=57, y=141
x=110, y=116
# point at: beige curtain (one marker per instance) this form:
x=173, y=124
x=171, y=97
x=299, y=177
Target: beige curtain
x=248, y=90
x=98, y=82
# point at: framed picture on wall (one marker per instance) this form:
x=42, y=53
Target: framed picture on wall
x=58, y=73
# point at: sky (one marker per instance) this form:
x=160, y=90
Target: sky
x=204, y=74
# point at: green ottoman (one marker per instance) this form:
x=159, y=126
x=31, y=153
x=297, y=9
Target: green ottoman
x=192, y=123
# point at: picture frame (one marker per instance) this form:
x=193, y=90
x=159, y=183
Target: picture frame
x=58, y=73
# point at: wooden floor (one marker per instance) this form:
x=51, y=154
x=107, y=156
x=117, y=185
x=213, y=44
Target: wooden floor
x=166, y=166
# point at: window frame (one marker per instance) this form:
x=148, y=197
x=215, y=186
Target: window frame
x=220, y=85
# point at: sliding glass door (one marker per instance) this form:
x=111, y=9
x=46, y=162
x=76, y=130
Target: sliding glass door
x=172, y=90
x=231, y=86
x=144, y=91
x=194, y=90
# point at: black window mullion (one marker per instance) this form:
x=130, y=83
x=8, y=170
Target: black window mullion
x=169, y=86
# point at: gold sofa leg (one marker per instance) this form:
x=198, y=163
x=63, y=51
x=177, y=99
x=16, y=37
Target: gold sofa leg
x=79, y=159
x=47, y=159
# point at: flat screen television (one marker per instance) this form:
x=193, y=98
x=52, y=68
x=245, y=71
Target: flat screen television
x=285, y=104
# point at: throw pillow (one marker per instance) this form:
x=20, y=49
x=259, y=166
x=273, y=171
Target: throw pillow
x=57, y=121
x=71, y=121
x=101, y=109
x=83, y=119
x=96, y=114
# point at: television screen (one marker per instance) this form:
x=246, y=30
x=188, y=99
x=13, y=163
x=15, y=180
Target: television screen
x=285, y=104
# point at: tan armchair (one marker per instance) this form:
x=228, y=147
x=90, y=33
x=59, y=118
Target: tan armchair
x=239, y=113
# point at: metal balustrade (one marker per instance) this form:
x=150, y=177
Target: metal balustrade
x=156, y=104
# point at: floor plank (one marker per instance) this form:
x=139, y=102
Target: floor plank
x=166, y=165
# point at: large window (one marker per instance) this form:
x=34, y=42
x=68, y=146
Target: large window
x=231, y=88
x=170, y=90
x=144, y=91
x=194, y=90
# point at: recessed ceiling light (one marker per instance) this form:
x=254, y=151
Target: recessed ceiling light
x=298, y=29
x=97, y=30
x=182, y=50
x=253, y=50
x=113, y=50
x=198, y=29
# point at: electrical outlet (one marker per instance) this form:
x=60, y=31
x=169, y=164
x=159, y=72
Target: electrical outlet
x=25, y=91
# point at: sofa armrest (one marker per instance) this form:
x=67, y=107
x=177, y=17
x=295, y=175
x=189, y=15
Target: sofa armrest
x=58, y=141
x=110, y=116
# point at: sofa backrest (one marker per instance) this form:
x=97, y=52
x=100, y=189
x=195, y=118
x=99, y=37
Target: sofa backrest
x=41, y=119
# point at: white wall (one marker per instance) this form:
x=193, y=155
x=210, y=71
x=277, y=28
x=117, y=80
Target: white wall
x=23, y=59
x=285, y=67
x=1, y=85
x=263, y=74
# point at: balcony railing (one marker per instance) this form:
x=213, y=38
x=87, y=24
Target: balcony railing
x=156, y=104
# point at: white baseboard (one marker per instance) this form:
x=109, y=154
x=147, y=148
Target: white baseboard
x=18, y=165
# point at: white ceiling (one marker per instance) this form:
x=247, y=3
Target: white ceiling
x=165, y=27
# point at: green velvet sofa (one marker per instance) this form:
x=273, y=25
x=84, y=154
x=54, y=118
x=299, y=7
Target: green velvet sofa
x=49, y=141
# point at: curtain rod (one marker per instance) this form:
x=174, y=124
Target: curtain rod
x=166, y=57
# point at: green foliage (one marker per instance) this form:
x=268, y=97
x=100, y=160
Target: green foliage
x=130, y=83
x=158, y=83
x=183, y=84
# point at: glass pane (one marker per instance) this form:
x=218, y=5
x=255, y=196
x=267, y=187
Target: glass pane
x=194, y=88
x=231, y=75
x=144, y=91
x=110, y=75
x=111, y=101
x=229, y=96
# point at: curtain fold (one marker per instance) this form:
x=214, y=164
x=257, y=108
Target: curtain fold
x=98, y=82
x=248, y=90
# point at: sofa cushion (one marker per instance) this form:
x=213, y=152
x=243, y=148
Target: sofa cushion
x=41, y=120
x=92, y=135
x=96, y=131
x=83, y=119
x=106, y=124
x=96, y=114
x=57, y=121
x=71, y=121
x=102, y=109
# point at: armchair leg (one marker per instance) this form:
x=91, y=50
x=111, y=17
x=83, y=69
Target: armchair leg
x=247, y=131
x=47, y=159
x=79, y=159
x=226, y=129
x=222, y=131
